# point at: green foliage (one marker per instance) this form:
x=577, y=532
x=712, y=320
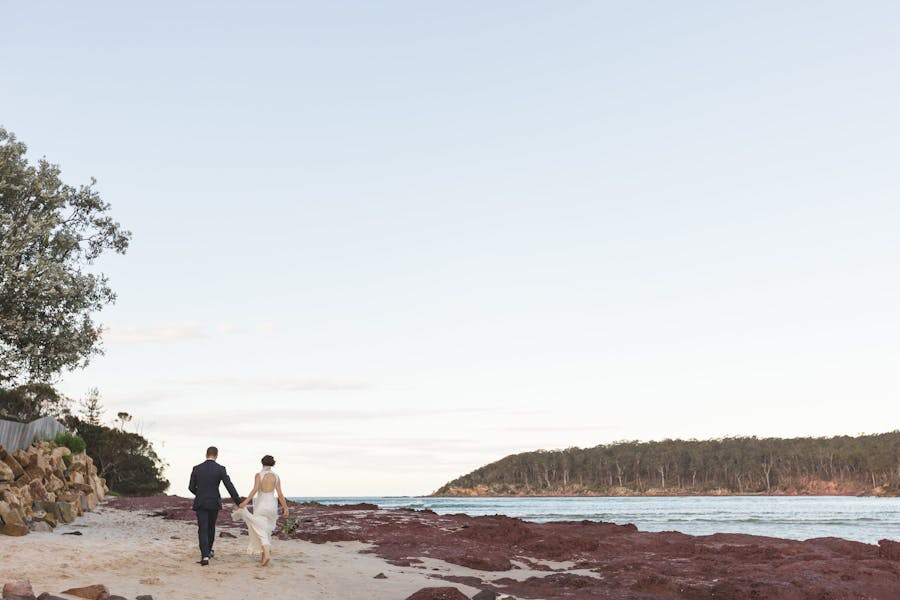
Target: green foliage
x=90, y=407
x=72, y=442
x=49, y=233
x=731, y=465
x=25, y=403
x=127, y=460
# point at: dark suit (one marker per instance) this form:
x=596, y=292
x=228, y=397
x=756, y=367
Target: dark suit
x=205, y=480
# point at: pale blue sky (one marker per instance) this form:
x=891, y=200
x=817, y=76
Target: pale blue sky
x=390, y=242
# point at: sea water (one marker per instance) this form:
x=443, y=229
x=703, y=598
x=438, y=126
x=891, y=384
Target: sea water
x=794, y=517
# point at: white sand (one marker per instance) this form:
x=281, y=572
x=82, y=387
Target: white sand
x=134, y=554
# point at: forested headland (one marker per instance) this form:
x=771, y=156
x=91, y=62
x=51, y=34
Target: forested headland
x=842, y=465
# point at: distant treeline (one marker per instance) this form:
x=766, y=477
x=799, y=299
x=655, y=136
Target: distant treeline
x=867, y=464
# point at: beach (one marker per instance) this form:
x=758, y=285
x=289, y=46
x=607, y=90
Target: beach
x=134, y=554
x=147, y=546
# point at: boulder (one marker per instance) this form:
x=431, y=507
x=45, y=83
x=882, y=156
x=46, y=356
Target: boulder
x=64, y=512
x=38, y=491
x=49, y=596
x=6, y=473
x=68, y=511
x=14, y=530
x=485, y=595
x=11, y=514
x=60, y=452
x=11, y=497
x=23, y=458
x=35, y=472
x=438, y=593
x=24, y=496
x=48, y=518
x=10, y=461
x=89, y=501
x=92, y=592
x=19, y=590
x=41, y=527
x=54, y=483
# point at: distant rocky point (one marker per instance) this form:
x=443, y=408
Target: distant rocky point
x=836, y=466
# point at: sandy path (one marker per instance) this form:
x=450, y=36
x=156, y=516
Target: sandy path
x=135, y=554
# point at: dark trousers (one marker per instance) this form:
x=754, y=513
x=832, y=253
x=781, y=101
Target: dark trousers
x=206, y=530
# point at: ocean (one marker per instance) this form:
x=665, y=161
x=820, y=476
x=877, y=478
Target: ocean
x=794, y=517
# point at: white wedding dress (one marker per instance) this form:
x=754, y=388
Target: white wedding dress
x=261, y=522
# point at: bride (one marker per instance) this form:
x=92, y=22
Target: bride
x=261, y=522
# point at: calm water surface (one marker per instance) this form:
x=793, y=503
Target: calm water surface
x=862, y=519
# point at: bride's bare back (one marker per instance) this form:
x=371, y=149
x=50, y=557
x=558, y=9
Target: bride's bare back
x=267, y=484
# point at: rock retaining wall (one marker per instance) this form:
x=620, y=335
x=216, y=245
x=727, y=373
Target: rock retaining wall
x=43, y=486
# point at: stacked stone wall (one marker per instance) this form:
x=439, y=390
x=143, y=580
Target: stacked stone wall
x=43, y=485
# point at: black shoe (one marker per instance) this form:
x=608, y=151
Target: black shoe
x=204, y=562
x=212, y=553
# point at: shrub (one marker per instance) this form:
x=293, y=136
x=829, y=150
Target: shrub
x=72, y=442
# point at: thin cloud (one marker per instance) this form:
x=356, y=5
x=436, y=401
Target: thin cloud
x=183, y=331
x=558, y=428
x=284, y=384
x=306, y=422
x=168, y=332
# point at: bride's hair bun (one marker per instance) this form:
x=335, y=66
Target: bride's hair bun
x=268, y=460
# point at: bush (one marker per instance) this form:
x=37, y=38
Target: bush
x=126, y=460
x=72, y=442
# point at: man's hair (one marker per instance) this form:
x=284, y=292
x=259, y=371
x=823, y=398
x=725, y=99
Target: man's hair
x=268, y=460
x=212, y=451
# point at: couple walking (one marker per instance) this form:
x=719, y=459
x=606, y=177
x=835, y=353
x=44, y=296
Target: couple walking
x=205, y=480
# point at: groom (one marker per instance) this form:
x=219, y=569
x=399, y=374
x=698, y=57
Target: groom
x=205, y=480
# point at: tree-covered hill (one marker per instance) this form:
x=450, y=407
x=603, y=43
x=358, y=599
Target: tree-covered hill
x=843, y=465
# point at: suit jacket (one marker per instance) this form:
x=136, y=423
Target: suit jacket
x=205, y=480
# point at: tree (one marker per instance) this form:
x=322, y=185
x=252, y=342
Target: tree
x=91, y=409
x=126, y=460
x=49, y=233
x=27, y=402
x=123, y=417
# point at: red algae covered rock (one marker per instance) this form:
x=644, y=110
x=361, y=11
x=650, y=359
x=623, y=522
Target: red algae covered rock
x=889, y=549
x=438, y=593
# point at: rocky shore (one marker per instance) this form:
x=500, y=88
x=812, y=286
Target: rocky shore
x=582, y=560
x=43, y=486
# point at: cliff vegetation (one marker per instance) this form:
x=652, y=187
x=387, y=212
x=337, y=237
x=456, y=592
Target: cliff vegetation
x=842, y=465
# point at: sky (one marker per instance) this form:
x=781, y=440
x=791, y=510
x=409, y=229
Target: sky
x=390, y=242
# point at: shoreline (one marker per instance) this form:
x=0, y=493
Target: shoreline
x=581, y=560
x=654, y=495
x=148, y=545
